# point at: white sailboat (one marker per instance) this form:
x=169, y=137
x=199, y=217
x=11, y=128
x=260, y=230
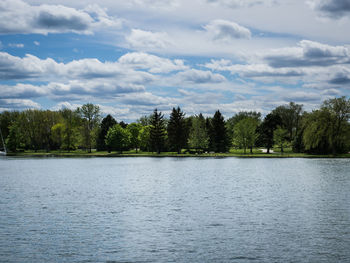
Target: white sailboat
x=3, y=149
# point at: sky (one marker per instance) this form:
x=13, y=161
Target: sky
x=130, y=57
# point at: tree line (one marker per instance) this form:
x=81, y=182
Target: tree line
x=322, y=131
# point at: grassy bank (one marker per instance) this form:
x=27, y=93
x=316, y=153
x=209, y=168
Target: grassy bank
x=257, y=153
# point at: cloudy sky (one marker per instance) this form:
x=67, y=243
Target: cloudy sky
x=130, y=57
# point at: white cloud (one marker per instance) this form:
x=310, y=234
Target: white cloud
x=308, y=53
x=154, y=64
x=155, y=4
x=31, y=67
x=17, y=104
x=65, y=105
x=18, y=17
x=145, y=99
x=240, y=3
x=20, y=90
x=147, y=40
x=200, y=77
x=227, y=30
x=331, y=8
x=16, y=45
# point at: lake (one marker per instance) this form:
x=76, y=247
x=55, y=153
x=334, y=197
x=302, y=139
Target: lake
x=174, y=210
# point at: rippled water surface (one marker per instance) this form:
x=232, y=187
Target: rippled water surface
x=174, y=210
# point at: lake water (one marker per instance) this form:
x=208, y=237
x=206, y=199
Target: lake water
x=174, y=210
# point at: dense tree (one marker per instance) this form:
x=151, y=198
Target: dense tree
x=217, y=133
x=57, y=134
x=323, y=131
x=339, y=109
x=134, y=130
x=7, y=118
x=177, y=130
x=245, y=133
x=70, y=132
x=30, y=126
x=123, y=124
x=118, y=138
x=90, y=115
x=280, y=137
x=145, y=120
x=327, y=129
x=231, y=122
x=106, y=123
x=198, y=137
x=145, y=140
x=291, y=121
x=13, y=140
x=157, y=131
x=267, y=128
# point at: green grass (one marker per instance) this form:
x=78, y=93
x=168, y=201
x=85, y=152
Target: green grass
x=257, y=153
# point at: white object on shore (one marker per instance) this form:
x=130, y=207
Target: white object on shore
x=265, y=150
x=3, y=144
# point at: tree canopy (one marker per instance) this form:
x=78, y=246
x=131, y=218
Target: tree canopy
x=323, y=131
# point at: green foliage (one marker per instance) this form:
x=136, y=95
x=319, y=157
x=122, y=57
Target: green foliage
x=13, y=139
x=106, y=123
x=7, y=118
x=90, y=115
x=71, y=123
x=323, y=131
x=245, y=133
x=145, y=120
x=57, y=134
x=118, y=138
x=231, y=122
x=157, y=132
x=198, y=138
x=218, y=139
x=145, y=138
x=134, y=130
x=267, y=128
x=327, y=130
x=280, y=137
x=177, y=130
x=290, y=118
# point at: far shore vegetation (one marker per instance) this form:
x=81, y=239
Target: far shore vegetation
x=287, y=131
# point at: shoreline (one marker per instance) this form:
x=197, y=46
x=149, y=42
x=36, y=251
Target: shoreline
x=167, y=155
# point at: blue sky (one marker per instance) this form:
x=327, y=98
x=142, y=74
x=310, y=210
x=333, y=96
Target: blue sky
x=130, y=57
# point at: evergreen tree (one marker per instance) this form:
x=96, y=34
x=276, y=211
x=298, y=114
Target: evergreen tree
x=218, y=134
x=157, y=132
x=106, y=123
x=177, y=130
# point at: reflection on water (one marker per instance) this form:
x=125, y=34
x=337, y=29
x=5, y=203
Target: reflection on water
x=174, y=210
